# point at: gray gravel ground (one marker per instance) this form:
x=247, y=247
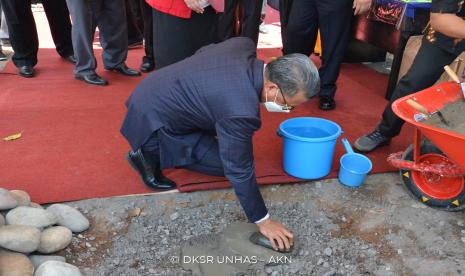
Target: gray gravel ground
x=375, y=230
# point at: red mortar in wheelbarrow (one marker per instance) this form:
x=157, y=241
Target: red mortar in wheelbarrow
x=432, y=168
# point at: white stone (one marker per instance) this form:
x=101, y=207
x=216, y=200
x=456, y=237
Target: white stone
x=35, y=205
x=69, y=217
x=22, y=197
x=30, y=216
x=20, y=238
x=7, y=200
x=15, y=264
x=37, y=260
x=56, y=268
x=2, y=220
x=54, y=239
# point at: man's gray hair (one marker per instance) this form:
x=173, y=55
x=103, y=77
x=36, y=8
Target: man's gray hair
x=292, y=73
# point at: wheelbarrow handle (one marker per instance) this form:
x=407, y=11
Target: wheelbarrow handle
x=452, y=74
x=420, y=108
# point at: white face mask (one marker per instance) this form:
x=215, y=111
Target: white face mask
x=273, y=106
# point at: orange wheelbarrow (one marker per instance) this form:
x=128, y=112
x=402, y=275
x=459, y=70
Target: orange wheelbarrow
x=433, y=167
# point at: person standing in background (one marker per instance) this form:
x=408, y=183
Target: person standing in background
x=333, y=19
x=23, y=32
x=180, y=28
x=110, y=17
x=250, y=19
x=140, y=28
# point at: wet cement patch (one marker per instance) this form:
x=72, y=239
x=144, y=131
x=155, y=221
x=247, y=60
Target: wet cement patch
x=229, y=253
x=454, y=115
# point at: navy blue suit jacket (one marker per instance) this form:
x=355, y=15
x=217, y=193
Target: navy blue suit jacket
x=214, y=92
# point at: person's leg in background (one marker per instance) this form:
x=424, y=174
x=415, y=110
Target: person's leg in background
x=84, y=17
x=146, y=161
x=302, y=28
x=60, y=26
x=262, y=28
x=23, y=35
x=226, y=22
x=175, y=39
x=251, y=13
x=426, y=69
x=284, y=11
x=114, y=37
x=148, y=61
x=134, y=33
x=335, y=17
x=4, y=36
x=3, y=57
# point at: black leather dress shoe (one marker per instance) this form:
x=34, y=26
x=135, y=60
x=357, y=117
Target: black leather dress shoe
x=26, y=71
x=147, y=67
x=71, y=59
x=150, y=173
x=92, y=79
x=327, y=103
x=125, y=70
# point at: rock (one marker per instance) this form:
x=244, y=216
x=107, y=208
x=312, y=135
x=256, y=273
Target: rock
x=69, y=217
x=15, y=264
x=7, y=200
x=328, y=251
x=330, y=273
x=29, y=216
x=37, y=260
x=54, y=239
x=35, y=205
x=2, y=220
x=320, y=261
x=174, y=216
x=57, y=268
x=22, y=197
x=463, y=239
x=20, y=238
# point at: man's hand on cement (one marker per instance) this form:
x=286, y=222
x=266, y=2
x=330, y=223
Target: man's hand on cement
x=361, y=6
x=194, y=5
x=277, y=233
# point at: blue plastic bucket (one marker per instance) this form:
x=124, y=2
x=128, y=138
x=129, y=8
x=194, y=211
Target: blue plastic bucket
x=354, y=167
x=308, y=146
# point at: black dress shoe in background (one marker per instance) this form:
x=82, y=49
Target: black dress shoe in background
x=92, y=79
x=26, y=71
x=70, y=58
x=147, y=67
x=125, y=70
x=149, y=171
x=327, y=103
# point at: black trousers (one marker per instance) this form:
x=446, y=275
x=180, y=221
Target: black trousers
x=210, y=163
x=426, y=69
x=23, y=32
x=175, y=39
x=250, y=21
x=140, y=26
x=333, y=18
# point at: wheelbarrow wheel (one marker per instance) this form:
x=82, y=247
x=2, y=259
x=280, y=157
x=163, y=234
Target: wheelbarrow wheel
x=444, y=193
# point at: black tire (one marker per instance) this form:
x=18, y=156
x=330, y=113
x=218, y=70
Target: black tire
x=454, y=204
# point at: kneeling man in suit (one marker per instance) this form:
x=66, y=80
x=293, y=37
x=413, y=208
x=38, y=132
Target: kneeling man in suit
x=200, y=114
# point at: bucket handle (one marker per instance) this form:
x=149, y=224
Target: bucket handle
x=347, y=146
x=278, y=132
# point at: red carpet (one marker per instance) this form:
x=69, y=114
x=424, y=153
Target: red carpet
x=71, y=147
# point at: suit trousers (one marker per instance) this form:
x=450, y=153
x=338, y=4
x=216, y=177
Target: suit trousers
x=426, y=69
x=250, y=19
x=333, y=18
x=110, y=17
x=23, y=32
x=140, y=26
x=175, y=38
x=209, y=163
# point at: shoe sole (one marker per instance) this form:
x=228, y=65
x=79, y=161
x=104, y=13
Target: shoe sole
x=26, y=76
x=131, y=163
x=356, y=147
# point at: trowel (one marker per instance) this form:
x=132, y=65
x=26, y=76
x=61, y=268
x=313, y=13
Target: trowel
x=455, y=78
x=424, y=112
x=259, y=239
